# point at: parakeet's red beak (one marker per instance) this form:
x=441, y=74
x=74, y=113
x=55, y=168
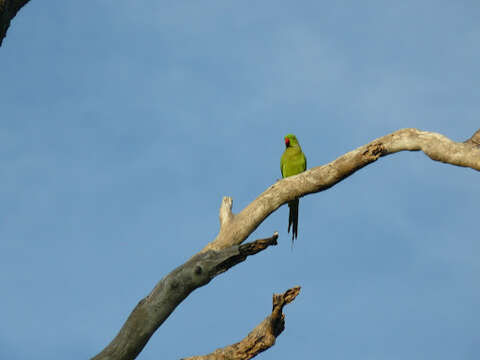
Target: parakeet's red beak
x=287, y=141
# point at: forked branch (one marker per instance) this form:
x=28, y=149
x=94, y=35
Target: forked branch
x=259, y=339
x=434, y=145
x=154, y=309
x=225, y=250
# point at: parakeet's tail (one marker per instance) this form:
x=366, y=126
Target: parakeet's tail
x=293, y=218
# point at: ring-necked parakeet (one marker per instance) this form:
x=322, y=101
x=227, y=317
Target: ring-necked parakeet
x=293, y=162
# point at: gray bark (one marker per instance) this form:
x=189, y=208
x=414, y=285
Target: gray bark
x=225, y=250
x=154, y=309
x=235, y=228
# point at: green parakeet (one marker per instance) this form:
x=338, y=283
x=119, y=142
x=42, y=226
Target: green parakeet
x=293, y=162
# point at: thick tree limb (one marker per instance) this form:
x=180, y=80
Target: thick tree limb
x=225, y=250
x=259, y=339
x=154, y=309
x=238, y=227
x=8, y=10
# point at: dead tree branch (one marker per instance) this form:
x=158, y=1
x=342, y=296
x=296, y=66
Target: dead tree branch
x=259, y=339
x=235, y=228
x=8, y=10
x=225, y=250
x=154, y=309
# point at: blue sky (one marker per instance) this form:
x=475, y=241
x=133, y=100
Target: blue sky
x=124, y=123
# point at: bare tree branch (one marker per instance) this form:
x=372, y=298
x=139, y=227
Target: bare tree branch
x=154, y=309
x=236, y=228
x=259, y=339
x=8, y=10
x=475, y=139
x=224, y=251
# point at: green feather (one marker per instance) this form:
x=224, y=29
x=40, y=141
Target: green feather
x=292, y=162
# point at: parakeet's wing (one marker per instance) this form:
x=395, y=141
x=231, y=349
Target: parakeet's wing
x=293, y=162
